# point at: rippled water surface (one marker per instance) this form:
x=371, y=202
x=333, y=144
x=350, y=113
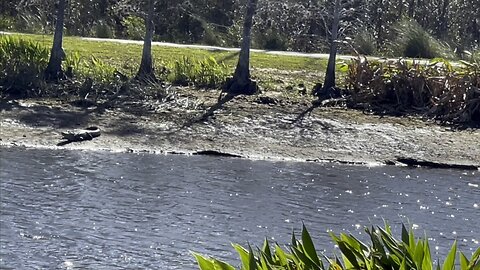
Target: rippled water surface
x=97, y=210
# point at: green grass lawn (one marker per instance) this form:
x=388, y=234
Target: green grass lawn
x=128, y=55
x=273, y=72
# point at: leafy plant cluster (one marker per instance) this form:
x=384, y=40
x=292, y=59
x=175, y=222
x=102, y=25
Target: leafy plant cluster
x=384, y=252
x=23, y=62
x=446, y=91
x=203, y=73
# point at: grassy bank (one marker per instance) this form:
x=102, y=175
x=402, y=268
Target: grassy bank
x=101, y=69
x=126, y=58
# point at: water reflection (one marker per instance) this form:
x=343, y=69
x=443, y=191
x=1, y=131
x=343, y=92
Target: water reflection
x=100, y=210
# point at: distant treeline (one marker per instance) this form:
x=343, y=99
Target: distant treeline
x=373, y=26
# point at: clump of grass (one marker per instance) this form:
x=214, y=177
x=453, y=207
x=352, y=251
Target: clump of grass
x=437, y=89
x=22, y=64
x=103, y=30
x=414, y=42
x=364, y=43
x=202, y=73
x=97, y=70
x=384, y=252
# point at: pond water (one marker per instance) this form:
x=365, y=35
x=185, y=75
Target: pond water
x=99, y=210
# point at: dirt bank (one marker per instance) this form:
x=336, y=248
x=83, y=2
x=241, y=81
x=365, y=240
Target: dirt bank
x=245, y=126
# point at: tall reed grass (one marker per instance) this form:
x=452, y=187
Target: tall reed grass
x=411, y=40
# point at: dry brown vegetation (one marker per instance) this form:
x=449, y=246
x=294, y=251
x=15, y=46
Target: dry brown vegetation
x=437, y=89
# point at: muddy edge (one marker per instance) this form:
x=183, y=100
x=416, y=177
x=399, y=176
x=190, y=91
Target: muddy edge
x=244, y=127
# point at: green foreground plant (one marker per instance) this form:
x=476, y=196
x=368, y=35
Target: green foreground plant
x=384, y=252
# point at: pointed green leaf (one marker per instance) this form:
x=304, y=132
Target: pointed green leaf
x=244, y=256
x=303, y=258
x=220, y=265
x=449, y=263
x=405, y=236
x=266, y=250
x=203, y=262
x=419, y=254
x=427, y=257
x=463, y=261
x=281, y=255
x=403, y=266
x=475, y=260
x=294, y=239
x=252, y=263
x=309, y=246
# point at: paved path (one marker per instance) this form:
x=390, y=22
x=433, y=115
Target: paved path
x=203, y=47
x=217, y=48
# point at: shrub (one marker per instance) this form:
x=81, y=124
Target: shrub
x=202, y=73
x=364, y=43
x=414, y=42
x=134, y=27
x=437, y=89
x=22, y=64
x=384, y=252
x=271, y=40
x=103, y=30
x=6, y=23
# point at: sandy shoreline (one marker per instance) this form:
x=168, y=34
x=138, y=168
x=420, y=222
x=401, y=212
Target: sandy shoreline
x=245, y=127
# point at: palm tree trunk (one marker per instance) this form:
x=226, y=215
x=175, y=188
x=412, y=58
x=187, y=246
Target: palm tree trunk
x=330, y=73
x=54, y=68
x=146, y=71
x=242, y=71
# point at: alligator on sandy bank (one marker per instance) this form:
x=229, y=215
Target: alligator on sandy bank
x=79, y=135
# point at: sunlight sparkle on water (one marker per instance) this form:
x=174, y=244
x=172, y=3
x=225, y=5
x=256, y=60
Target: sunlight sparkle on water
x=68, y=264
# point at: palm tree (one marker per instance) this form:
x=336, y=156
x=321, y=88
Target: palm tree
x=54, y=71
x=146, y=70
x=241, y=82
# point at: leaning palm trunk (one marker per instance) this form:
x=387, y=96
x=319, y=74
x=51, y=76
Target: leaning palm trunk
x=330, y=73
x=54, y=70
x=241, y=82
x=146, y=71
